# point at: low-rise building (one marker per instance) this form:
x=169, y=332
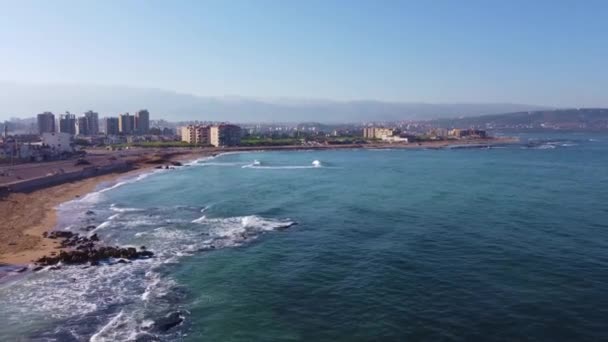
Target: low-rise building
x=395, y=139
x=471, y=133
x=225, y=135
x=377, y=132
x=196, y=134
x=58, y=142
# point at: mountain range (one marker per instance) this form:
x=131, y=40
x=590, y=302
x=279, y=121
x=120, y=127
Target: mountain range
x=26, y=100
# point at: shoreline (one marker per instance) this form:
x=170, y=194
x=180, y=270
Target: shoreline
x=28, y=215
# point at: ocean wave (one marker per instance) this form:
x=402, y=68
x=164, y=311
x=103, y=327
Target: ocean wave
x=113, y=207
x=103, y=225
x=544, y=147
x=119, y=301
x=258, y=165
x=221, y=164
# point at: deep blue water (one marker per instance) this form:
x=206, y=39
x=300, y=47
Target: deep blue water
x=496, y=244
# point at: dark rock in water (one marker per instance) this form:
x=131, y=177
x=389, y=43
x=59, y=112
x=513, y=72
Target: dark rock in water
x=21, y=270
x=92, y=255
x=84, y=250
x=176, y=163
x=146, y=338
x=36, y=269
x=171, y=320
x=159, y=167
x=59, y=234
x=90, y=212
x=146, y=254
x=143, y=248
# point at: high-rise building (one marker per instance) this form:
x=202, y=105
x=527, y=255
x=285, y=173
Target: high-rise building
x=46, y=123
x=225, y=135
x=92, y=122
x=67, y=123
x=142, y=121
x=126, y=123
x=82, y=126
x=111, y=126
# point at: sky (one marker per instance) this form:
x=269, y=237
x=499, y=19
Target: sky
x=538, y=52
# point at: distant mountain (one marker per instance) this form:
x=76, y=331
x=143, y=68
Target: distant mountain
x=567, y=119
x=26, y=100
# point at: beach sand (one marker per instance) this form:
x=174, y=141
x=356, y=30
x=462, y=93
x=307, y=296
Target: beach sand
x=24, y=217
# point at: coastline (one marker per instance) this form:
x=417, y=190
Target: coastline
x=28, y=215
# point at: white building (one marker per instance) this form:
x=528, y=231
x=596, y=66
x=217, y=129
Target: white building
x=58, y=142
x=394, y=139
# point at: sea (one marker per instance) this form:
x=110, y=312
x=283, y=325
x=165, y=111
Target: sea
x=484, y=243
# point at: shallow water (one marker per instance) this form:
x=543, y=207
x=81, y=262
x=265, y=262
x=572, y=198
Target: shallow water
x=455, y=244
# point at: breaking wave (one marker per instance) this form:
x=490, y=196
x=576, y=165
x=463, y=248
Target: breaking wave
x=122, y=301
x=258, y=165
x=549, y=144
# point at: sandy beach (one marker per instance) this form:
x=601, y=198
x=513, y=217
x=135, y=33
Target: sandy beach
x=26, y=216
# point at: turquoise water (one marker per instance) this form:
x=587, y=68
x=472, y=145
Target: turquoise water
x=496, y=244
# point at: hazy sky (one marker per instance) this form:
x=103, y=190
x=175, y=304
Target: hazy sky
x=537, y=52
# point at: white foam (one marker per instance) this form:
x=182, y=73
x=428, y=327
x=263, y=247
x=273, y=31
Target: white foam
x=101, y=335
x=75, y=291
x=101, y=226
x=286, y=167
x=200, y=219
x=221, y=164
x=545, y=147
x=113, y=207
x=114, y=217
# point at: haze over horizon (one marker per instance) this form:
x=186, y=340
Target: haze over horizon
x=199, y=58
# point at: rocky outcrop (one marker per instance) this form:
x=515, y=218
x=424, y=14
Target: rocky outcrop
x=83, y=249
x=171, y=320
x=94, y=256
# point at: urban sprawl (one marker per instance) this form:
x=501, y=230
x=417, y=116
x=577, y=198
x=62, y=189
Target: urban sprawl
x=51, y=137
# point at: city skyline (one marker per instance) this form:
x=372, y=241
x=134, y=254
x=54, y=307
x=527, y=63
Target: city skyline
x=542, y=53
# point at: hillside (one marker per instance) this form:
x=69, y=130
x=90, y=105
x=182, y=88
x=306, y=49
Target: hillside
x=566, y=119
